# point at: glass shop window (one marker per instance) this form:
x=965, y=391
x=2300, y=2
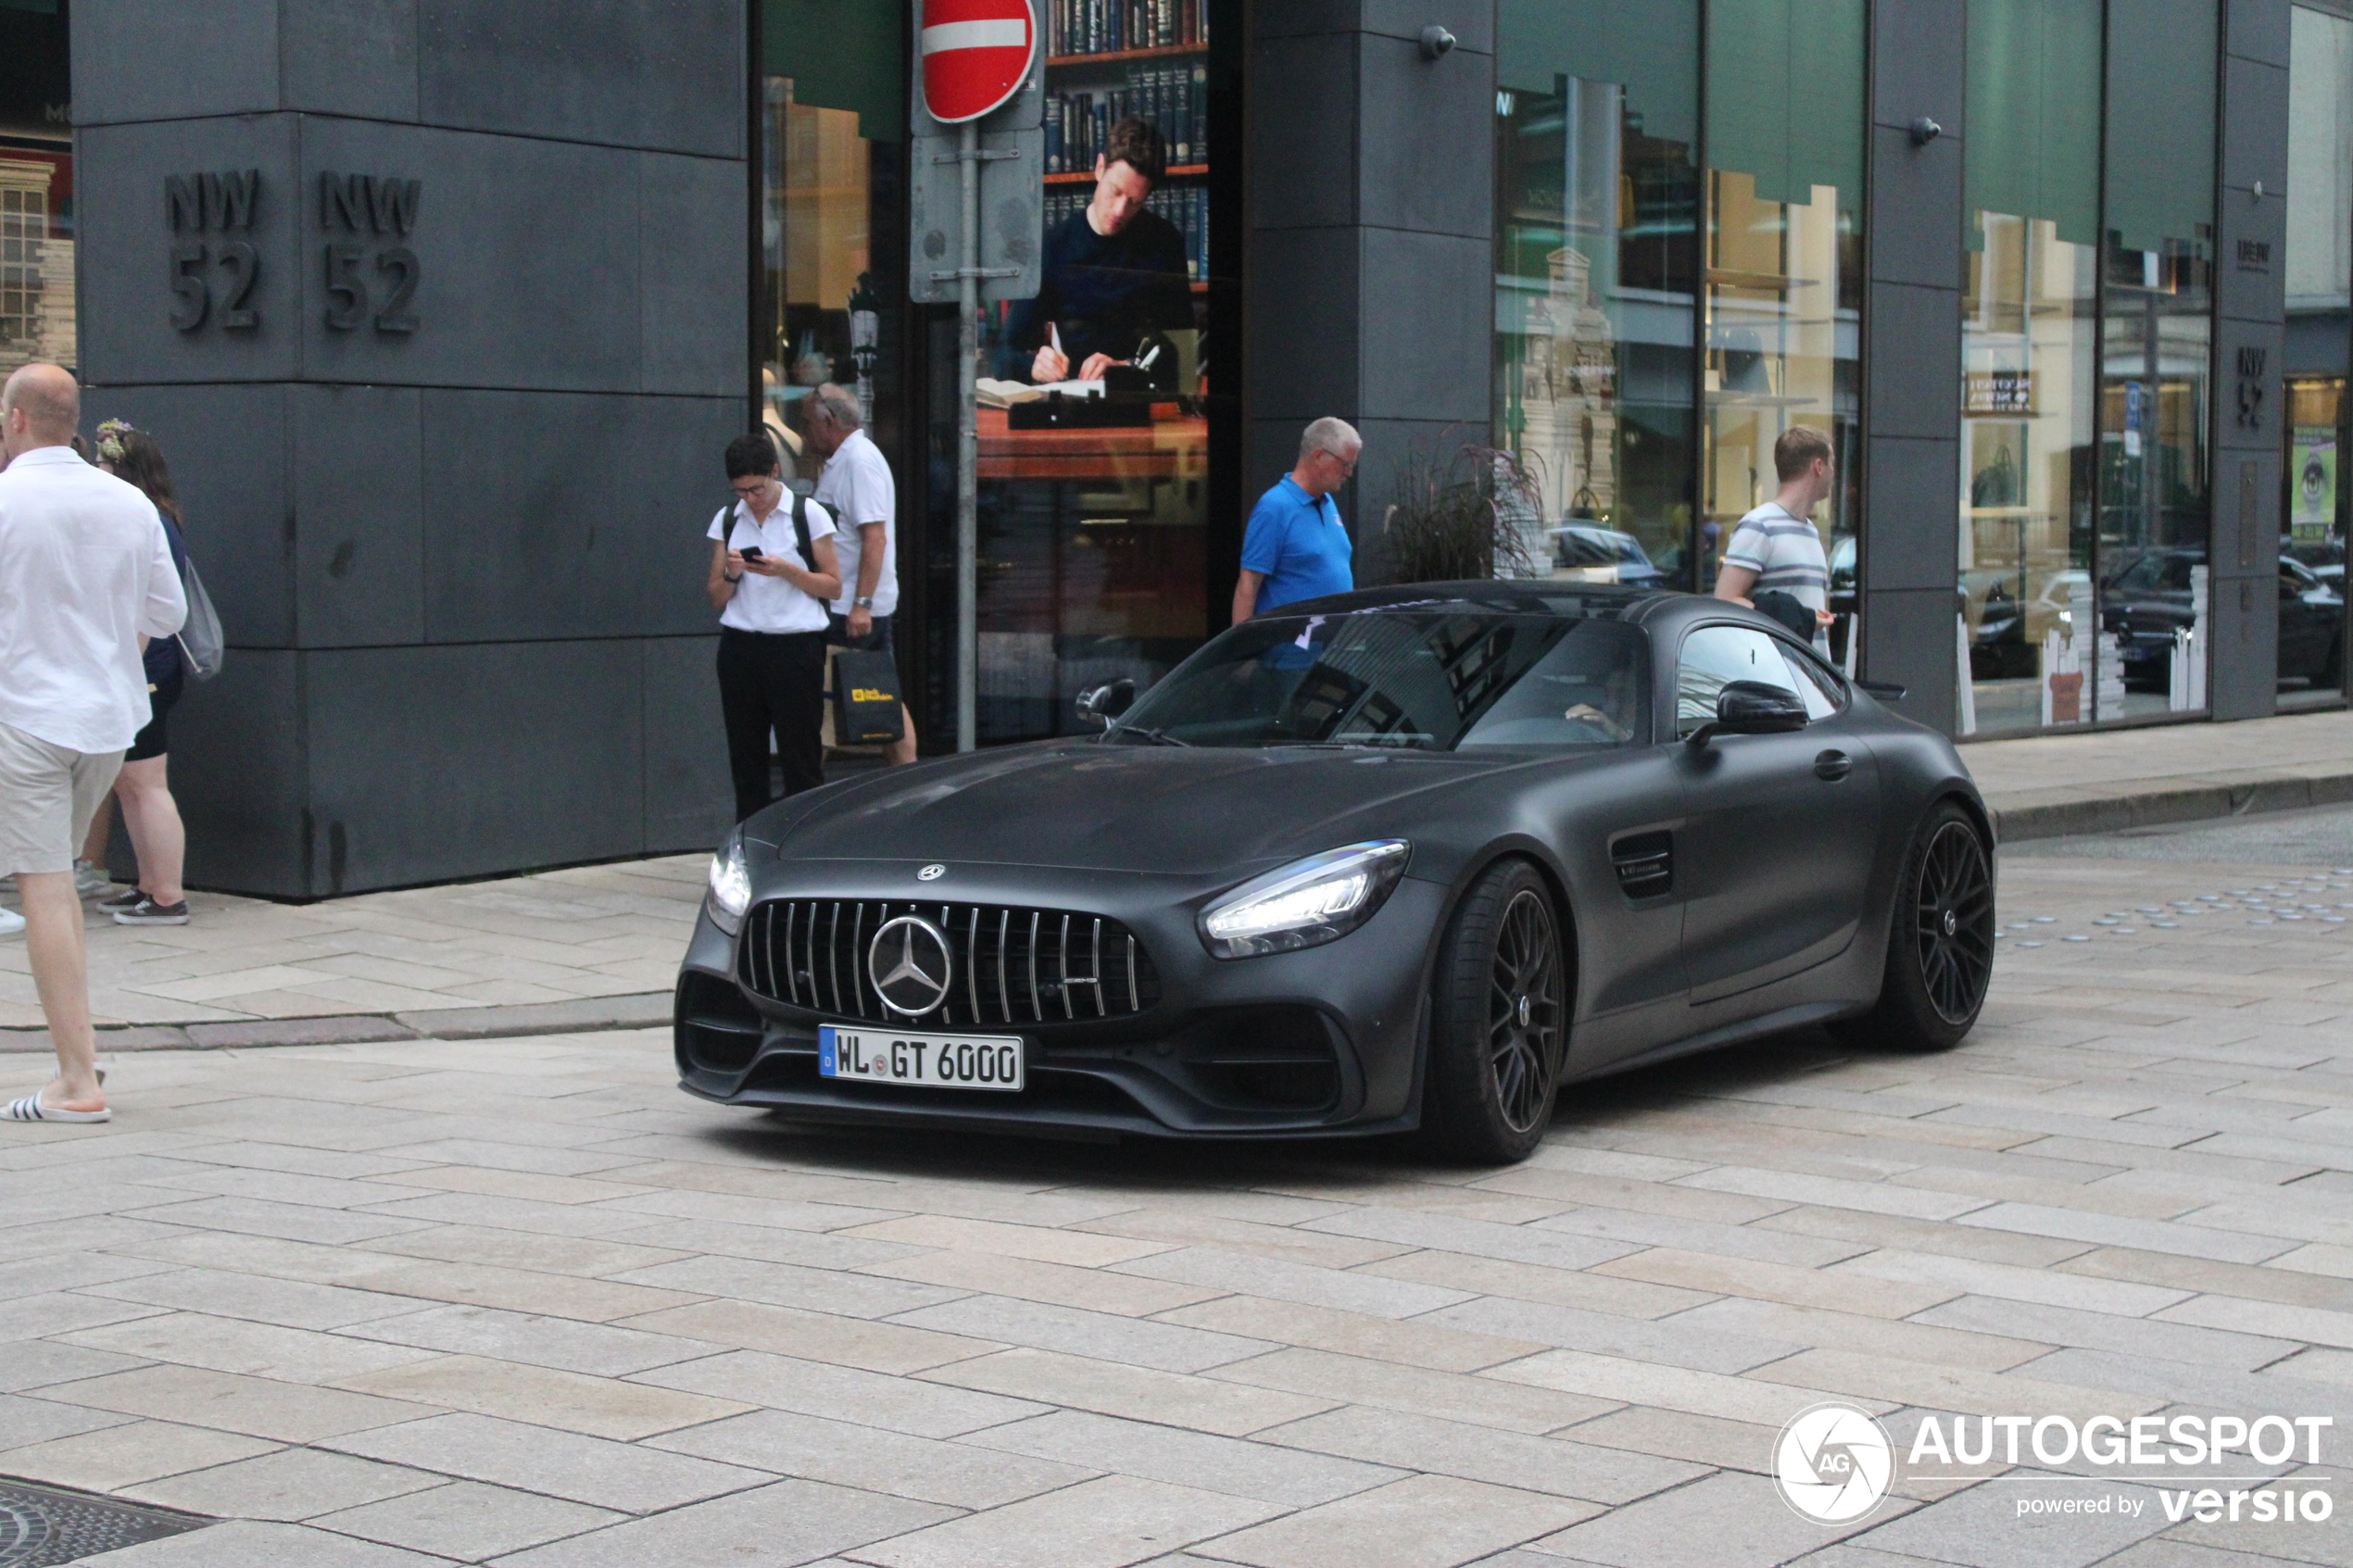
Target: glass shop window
x=2320, y=272
x=36, y=188
x=831, y=291
x=1596, y=274
x=1784, y=277
x=2156, y=350
x=1096, y=534
x=2029, y=331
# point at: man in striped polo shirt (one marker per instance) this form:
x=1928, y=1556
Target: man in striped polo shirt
x=1775, y=548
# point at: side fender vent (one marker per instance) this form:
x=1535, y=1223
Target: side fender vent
x=1644, y=863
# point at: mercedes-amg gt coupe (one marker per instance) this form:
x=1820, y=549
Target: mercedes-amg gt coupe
x=1396, y=861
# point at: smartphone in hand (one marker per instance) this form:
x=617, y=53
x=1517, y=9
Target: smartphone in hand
x=750, y=552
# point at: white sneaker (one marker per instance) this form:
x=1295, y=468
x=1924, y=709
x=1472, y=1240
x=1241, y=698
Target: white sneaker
x=11, y=924
x=90, y=879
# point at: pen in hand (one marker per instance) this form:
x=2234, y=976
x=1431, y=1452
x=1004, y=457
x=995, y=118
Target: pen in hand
x=1051, y=363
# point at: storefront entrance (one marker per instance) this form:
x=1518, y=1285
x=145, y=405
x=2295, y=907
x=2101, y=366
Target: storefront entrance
x=1107, y=549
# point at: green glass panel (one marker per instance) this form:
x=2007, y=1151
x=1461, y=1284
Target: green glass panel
x=2033, y=135
x=1785, y=95
x=842, y=55
x=2160, y=125
x=1647, y=46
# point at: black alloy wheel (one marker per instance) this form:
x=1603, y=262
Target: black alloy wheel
x=1499, y=1020
x=1940, y=953
x=1953, y=922
x=1523, y=1013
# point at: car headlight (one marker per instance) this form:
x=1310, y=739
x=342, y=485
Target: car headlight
x=730, y=884
x=1319, y=900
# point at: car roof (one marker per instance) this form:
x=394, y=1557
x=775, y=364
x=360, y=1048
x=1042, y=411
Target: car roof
x=1593, y=601
x=1659, y=612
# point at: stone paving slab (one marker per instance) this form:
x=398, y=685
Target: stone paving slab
x=516, y=1300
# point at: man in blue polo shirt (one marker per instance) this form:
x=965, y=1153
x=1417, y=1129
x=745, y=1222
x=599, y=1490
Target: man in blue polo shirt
x=1295, y=547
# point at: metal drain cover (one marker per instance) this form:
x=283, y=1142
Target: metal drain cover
x=42, y=1525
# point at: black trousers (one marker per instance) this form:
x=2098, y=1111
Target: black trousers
x=772, y=681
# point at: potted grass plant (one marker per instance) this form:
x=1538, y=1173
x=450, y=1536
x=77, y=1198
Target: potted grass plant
x=1459, y=514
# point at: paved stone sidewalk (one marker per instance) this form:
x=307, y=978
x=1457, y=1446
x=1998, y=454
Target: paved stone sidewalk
x=533, y=941
x=522, y=1302
x=2045, y=786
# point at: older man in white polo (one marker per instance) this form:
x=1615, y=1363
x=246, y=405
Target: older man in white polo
x=85, y=579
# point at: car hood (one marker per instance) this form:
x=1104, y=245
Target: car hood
x=1185, y=811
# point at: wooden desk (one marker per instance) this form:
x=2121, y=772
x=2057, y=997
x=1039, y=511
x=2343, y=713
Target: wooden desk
x=1173, y=446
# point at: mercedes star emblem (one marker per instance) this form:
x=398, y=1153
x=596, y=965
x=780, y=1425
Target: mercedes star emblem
x=931, y=874
x=910, y=965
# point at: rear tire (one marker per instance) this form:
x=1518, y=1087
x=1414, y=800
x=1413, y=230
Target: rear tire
x=1499, y=1020
x=1939, y=952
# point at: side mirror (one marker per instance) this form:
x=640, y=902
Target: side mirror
x=1751, y=708
x=1108, y=701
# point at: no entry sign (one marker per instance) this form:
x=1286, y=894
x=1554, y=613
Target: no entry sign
x=976, y=55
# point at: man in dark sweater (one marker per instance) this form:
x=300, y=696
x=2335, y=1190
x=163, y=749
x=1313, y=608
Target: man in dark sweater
x=1113, y=275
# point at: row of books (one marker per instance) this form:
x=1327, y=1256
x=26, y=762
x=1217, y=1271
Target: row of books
x=1184, y=206
x=1174, y=98
x=1099, y=26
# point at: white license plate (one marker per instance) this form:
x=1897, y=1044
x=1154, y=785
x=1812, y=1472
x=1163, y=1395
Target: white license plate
x=940, y=1061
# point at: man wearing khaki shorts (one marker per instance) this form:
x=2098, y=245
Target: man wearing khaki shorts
x=86, y=579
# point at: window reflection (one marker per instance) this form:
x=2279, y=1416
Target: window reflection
x=1094, y=534
x=2026, y=441
x=2086, y=488
x=828, y=310
x=1784, y=278
x=1597, y=252
x=36, y=190
x=2319, y=264
x=2156, y=357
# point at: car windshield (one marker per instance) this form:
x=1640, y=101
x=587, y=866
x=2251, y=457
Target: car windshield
x=1439, y=678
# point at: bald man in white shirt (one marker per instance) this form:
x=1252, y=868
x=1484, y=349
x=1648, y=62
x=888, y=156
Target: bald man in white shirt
x=86, y=579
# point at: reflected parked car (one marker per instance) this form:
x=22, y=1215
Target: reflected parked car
x=2147, y=602
x=1588, y=552
x=2006, y=631
x=2311, y=624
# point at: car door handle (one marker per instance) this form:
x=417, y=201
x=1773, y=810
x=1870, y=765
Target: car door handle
x=1832, y=766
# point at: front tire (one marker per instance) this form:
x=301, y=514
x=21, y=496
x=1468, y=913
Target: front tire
x=1939, y=953
x=1499, y=1020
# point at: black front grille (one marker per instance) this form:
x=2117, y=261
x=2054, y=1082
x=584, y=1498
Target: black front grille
x=1011, y=965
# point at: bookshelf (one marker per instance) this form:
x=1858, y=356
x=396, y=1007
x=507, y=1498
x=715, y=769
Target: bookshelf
x=1115, y=56
x=1099, y=71
x=1176, y=171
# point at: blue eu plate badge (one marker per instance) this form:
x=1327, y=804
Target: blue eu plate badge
x=942, y=1061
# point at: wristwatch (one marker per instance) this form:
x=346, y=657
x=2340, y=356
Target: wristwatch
x=863, y=603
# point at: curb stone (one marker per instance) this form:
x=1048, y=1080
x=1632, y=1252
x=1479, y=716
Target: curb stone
x=643, y=1009
x=2031, y=814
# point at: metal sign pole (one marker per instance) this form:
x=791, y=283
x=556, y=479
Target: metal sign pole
x=968, y=445
x=998, y=146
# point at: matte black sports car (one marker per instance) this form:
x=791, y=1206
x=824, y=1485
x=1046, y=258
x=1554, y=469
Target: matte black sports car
x=1394, y=860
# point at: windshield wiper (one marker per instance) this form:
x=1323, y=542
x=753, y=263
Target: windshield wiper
x=1158, y=737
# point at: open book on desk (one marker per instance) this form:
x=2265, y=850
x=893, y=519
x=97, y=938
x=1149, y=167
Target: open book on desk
x=996, y=394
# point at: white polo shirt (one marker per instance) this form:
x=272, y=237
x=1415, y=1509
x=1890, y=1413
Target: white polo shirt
x=86, y=571
x=769, y=604
x=858, y=486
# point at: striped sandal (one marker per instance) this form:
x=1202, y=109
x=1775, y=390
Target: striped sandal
x=29, y=1108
